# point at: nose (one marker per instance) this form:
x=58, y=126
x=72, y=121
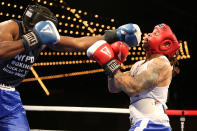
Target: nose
x=149, y=34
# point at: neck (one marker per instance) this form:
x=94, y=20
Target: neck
x=149, y=57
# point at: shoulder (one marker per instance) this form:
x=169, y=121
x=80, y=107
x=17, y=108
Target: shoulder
x=136, y=64
x=9, y=27
x=160, y=64
x=9, y=24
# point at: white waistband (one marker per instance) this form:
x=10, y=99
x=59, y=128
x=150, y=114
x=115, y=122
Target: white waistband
x=148, y=109
x=7, y=88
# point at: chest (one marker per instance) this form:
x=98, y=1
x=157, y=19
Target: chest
x=139, y=67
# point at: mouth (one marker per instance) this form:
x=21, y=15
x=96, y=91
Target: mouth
x=145, y=40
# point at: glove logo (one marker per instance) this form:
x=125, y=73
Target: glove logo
x=29, y=14
x=106, y=51
x=47, y=29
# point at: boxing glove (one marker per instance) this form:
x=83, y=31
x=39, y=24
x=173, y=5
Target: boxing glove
x=44, y=32
x=102, y=52
x=121, y=51
x=128, y=33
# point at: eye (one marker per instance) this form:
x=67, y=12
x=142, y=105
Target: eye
x=156, y=33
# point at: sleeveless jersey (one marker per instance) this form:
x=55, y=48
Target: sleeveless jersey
x=14, y=70
x=143, y=105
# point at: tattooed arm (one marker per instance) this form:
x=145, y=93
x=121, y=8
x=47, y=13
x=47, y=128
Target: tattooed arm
x=112, y=87
x=158, y=73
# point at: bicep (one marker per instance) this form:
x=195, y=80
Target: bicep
x=158, y=71
x=7, y=31
x=5, y=36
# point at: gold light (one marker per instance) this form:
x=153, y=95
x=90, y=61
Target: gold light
x=76, y=32
x=96, y=16
x=102, y=26
x=79, y=11
x=63, y=16
x=74, y=19
x=44, y=2
x=60, y=30
x=113, y=28
x=66, y=24
x=108, y=27
x=91, y=23
x=72, y=25
x=57, y=15
x=21, y=7
x=100, y=30
x=73, y=10
x=80, y=20
x=68, y=8
x=68, y=18
x=65, y=31
x=60, y=23
x=112, y=20
x=85, y=13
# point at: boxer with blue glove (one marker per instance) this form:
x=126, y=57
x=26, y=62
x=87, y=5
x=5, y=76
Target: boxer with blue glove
x=22, y=41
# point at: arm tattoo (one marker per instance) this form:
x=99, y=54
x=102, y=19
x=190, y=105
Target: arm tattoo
x=143, y=81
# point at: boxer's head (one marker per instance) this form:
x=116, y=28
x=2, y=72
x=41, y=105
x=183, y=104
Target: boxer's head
x=161, y=40
x=35, y=13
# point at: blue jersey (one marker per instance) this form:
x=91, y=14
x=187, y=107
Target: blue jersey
x=14, y=70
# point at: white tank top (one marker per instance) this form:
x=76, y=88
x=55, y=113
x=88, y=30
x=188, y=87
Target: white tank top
x=149, y=104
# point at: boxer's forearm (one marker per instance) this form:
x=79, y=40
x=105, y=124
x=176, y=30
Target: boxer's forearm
x=70, y=43
x=126, y=83
x=111, y=86
x=10, y=48
x=135, y=85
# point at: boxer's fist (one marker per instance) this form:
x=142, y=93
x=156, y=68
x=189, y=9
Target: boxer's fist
x=121, y=51
x=102, y=52
x=44, y=32
x=128, y=33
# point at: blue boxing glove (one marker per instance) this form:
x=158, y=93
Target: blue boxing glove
x=128, y=33
x=44, y=32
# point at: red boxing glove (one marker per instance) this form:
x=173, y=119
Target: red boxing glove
x=121, y=51
x=102, y=52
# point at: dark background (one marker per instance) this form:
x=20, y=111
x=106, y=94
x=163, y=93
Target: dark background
x=91, y=90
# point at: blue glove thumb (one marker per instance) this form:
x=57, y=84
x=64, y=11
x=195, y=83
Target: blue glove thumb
x=130, y=34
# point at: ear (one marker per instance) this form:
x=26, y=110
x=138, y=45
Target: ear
x=165, y=45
